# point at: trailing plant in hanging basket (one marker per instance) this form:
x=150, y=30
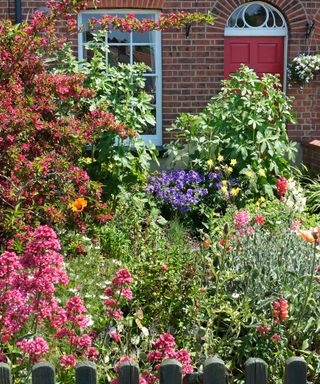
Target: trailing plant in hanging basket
x=304, y=68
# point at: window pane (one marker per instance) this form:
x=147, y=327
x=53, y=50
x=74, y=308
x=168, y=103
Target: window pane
x=144, y=54
x=119, y=54
x=255, y=15
x=116, y=37
x=145, y=37
x=150, y=87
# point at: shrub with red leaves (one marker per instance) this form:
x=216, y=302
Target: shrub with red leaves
x=44, y=127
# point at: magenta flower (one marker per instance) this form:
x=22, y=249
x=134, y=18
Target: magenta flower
x=68, y=361
x=116, y=337
x=35, y=348
x=123, y=276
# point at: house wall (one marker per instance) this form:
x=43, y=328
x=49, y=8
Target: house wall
x=193, y=67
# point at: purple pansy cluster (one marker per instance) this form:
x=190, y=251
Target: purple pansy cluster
x=179, y=188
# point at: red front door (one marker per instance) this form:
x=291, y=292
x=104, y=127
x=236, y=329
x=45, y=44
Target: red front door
x=263, y=54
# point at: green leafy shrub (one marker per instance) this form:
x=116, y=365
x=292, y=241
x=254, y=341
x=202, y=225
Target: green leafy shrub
x=246, y=121
x=120, y=90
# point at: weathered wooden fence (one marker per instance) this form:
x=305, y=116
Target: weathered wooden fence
x=214, y=372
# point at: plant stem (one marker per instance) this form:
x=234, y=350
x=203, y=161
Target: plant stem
x=307, y=297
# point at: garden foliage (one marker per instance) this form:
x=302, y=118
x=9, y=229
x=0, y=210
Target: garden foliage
x=246, y=122
x=142, y=283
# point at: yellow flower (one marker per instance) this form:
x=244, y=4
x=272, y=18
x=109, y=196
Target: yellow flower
x=262, y=172
x=230, y=169
x=233, y=162
x=260, y=201
x=224, y=189
x=224, y=182
x=210, y=163
x=78, y=205
x=249, y=174
x=235, y=191
x=220, y=158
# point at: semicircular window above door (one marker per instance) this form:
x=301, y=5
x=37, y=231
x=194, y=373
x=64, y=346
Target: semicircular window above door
x=256, y=35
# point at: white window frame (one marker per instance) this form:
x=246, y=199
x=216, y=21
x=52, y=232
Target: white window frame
x=156, y=138
x=266, y=31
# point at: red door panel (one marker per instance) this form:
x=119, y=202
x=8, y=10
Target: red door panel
x=263, y=54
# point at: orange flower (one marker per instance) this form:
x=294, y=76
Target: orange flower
x=206, y=244
x=78, y=205
x=309, y=235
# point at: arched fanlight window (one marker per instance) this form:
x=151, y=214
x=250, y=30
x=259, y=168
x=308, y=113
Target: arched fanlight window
x=256, y=18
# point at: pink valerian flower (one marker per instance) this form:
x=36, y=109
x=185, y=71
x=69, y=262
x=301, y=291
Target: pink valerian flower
x=84, y=341
x=92, y=354
x=165, y=348
x=241, y=218
x=35, y=348
x=295, y=225
x=263, y=329
x=117, y=292
x=276, y=338
x=122, y=360
x=148, y=377
x=126, y=293
x=123, y=276
x=76, y=311
x=68, y=361
x=115, y=336
x=165, y=340
x=109, y=292
x=110, y=302
x=115, y=314
x=3, y=357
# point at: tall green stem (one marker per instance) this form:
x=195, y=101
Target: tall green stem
x=307, y=297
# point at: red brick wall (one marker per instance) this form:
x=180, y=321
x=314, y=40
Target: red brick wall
x=7, y=9
x=193, y=67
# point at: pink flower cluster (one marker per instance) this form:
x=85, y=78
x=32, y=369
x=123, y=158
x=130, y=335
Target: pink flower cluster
x=35, y=348
x=27, y=299
x=165, y=347
x=118, y=293
x=130, y=23
x=265, y=329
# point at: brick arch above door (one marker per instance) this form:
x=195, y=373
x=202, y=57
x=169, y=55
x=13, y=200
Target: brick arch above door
x=130, y=4
x=293, y=10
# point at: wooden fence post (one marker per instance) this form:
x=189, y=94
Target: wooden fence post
x=128, y=373
x=43, y=373
x=5, y=374
x=86, y=373
x=296, y=371
x=170, y=372
x=256, y=371
x=214, y=371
